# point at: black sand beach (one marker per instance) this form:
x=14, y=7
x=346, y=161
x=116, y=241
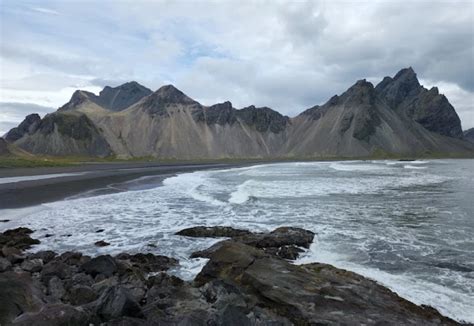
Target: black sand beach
x=88, y=177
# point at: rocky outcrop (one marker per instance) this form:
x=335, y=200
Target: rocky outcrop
x=284, y=242
x=242, y=284
x=27, y=126
x=309, y=294
x=398, y=117
x=469, y=135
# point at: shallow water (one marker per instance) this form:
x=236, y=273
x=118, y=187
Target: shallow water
x=408, y=225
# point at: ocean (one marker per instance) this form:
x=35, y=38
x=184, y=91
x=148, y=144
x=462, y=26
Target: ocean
x=407, y=225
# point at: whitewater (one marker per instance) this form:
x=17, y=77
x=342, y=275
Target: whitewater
x=407, y=225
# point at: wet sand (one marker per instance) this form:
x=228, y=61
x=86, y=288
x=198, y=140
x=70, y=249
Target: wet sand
x=89, y=176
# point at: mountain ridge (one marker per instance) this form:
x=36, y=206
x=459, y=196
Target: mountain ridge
x=398, y=116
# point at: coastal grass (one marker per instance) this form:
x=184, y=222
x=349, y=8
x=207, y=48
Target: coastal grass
x=64, y=161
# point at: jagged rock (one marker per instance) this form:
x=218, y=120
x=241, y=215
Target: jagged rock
x=427, y=107
x=82, y=279
x=27, y=126
x=32, y=265
x=282, y=242
x=4, y=264
x=148, y=262
x=55, y=315
x=101, y=243
x=46, y=256
x=14, y=255
x=80, y=294
x=73, y=258
x=103, y=285
x=212, y=232
x=55, y=268
x=469, y=135
x=18, y=295
x=55, y=288
x=117, y=302
x=104, y=265
x=311, y=294
x=283, y=236
x=18, y=238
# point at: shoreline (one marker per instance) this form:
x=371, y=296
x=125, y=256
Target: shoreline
x=74, y=180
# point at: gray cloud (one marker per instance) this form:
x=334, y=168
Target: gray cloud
x=286, y=55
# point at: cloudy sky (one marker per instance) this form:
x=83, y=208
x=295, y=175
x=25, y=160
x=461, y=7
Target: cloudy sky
x=285, y=55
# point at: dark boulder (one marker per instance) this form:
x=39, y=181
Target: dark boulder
x=56, y=289
x=55, y=268
x=101, y=243
x=105, y=265
x=18, y=238
x=32, y=265
x=55, y=315
x=148, y=262
x=284, y=236
x=80, y=294
x=213, y=232
x=18, y=295
x=116, y=302
x=283, y=242
x=73, y=258
x=4, y=264
x=46, y=256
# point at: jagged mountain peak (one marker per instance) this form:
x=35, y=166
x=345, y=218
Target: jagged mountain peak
x=171, y=94
x=28, y=125
x=403, y=87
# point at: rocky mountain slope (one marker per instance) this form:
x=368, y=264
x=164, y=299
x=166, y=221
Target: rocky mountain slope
x=396, y=117
x=469, y=135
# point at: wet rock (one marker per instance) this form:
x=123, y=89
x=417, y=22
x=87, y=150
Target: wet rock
x=284, y=236
x=82, y=279
x=286, y=252
x=32, y=265
x=148, y=262
x=55, y=315
x=4, y=221
x=103, y=285
x=105, y=265
x=56, y=288
x=18, y=295
x=14, y=255
x=117, y=302
x=282, y=242
x=80, y=294
x=213, y=232
x=4, y=264
x=55, y=268
x=18, y=238
x=101, y=243
x=46, y=256
x=72, y=258
x=311, y=294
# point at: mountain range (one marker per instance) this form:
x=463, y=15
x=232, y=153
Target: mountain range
x=397, y=117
